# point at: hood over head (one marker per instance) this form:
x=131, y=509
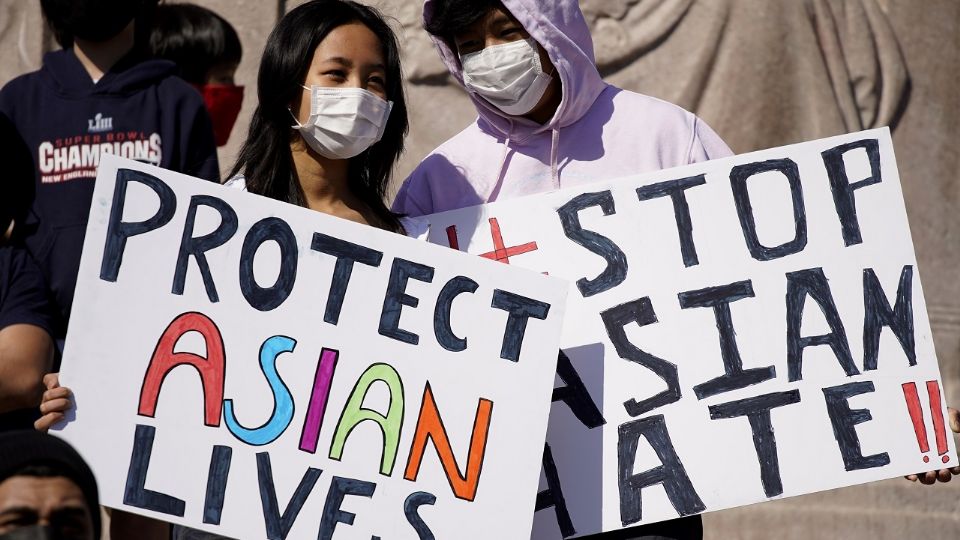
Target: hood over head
x=63, y=71
x=560, y=28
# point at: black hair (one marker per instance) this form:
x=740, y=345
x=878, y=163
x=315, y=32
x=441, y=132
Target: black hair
x=97, y=20
x=266, y=160
x=194, y=38
x=451, y=17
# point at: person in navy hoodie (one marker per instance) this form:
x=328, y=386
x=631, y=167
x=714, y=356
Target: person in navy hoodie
x=100, y=94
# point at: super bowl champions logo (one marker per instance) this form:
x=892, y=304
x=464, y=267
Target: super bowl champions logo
x=70, y=158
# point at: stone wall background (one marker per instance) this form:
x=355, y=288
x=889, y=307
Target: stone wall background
x=762, y=73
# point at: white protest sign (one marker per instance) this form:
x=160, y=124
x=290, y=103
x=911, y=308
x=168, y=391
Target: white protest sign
x=740, y=330
x=260, y=370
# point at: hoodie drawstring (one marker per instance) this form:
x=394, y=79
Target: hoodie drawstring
x=498, y=180
x=554, y=149
x=554, y=166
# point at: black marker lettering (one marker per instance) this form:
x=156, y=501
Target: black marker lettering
x=757, y=410
x=520, y=309
x=877, y=313
x=441, y=314
x=346, y=253
x=843, y=190
x=332, y=514
x=844, y=419
x=197, y=247
x=268, y=298
x=616, y=270
x=396, y=298
x=741, y=196
x=676, y=189
x=118, y=230
x=813, y=283
x=734, y=377
x=641, y=312
x=217, y=483
x=135, y=492
x=277, y=525
x=410, y=507
x=670, y=473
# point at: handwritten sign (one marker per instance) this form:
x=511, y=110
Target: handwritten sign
x=740, y=330
x=256, y=369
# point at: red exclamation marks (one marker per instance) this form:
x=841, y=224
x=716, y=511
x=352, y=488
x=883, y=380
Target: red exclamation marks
x=916, y=416
x=933, y=390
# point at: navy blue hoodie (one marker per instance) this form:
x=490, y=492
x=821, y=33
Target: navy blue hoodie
x=138, y=109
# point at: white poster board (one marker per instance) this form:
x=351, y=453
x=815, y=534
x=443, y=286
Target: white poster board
x=737, y=331
x=260, y=370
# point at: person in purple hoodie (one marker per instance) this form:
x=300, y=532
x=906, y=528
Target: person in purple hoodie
x=546, y=120
x=100, y=94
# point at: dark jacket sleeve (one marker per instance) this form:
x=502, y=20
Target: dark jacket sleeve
x=23, y=293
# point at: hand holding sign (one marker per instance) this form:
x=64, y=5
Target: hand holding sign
x=942, y=475
x=54, y=404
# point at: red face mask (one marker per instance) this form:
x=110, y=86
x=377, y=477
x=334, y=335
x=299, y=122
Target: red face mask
x=223, y=103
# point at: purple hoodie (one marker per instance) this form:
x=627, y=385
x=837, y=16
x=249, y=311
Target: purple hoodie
x=598, y=132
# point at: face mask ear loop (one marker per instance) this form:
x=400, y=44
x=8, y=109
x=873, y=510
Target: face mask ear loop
x=295, y=119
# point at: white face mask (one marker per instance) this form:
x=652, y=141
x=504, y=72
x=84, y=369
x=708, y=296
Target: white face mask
x=509, y=76
x=343, y=121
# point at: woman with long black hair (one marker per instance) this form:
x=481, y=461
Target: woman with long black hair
x=331, y=117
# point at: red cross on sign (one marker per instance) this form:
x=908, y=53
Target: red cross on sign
x=500, y=251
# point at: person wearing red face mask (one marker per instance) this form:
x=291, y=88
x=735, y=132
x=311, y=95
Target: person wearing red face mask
x=207, y=51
